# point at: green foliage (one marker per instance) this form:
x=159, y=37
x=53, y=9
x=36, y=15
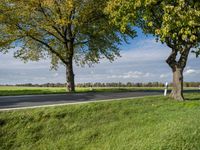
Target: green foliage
x=146, y=123
x=59, y=29
x=174, y=22
x=6, y=37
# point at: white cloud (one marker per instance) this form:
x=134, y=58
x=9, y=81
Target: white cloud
x=146, y=51
x=39, y=78
x=132, y=75
x=166, y=75
x=191, y=72
x=55, y=74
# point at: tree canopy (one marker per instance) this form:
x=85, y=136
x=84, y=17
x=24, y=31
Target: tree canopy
x=174, y=22
x=62, y=30
x=169, y=20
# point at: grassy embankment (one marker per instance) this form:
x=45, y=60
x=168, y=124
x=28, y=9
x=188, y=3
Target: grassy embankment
x=14, y=90
x=143, y=124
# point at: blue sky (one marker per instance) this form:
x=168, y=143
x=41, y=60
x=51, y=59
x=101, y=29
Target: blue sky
x=143, y=60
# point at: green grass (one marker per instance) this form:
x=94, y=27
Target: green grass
x=149, y=123
x=14, y=90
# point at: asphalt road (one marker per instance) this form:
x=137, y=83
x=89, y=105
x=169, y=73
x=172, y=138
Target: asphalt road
x=7, y=102
x=39, y=100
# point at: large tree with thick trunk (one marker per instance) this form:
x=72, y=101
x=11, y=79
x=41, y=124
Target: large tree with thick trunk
x=66, y=31
x=174, y=22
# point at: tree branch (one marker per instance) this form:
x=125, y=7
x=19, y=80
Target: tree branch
x=50, y=33
x=47, y=18
x=81, y=43
x=184, y=57
x=49, y=47
x=171, y=60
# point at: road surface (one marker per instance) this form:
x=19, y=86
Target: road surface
x=40, y=100
x=7, y=102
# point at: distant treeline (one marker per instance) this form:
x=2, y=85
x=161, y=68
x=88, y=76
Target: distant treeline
x=98, y=84
x=130, y=84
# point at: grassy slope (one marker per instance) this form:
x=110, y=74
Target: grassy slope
x=14, y=90
x=148, y=123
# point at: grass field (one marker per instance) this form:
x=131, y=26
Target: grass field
x=150, y=123
x=14, y=90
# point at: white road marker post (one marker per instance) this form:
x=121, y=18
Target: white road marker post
x=166, y=88
x=91, y=88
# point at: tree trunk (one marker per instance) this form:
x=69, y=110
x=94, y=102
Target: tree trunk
x=177, y=68
x=70, y=76
x=69, y=62
x=177, y=89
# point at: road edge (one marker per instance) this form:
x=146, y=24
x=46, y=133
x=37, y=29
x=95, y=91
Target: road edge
x=74, y=103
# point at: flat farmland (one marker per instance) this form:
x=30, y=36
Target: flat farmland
x=18, y=90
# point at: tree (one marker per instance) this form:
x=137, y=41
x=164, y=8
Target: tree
x=65, y=31
x=5, y=33
x=174, y=22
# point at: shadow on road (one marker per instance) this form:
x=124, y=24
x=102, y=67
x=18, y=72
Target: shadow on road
x=38, y=100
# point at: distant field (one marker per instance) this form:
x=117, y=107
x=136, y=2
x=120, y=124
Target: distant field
x=14, y=90
x=150, y=123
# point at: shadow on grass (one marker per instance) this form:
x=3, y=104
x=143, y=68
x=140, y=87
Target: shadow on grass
x=193, y=98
